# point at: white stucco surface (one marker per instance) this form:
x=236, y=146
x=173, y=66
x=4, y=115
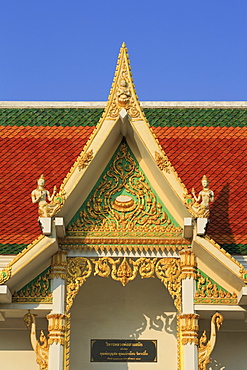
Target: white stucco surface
x=104, y=309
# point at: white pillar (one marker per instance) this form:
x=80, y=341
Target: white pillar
x=57, y=317
x=188, y=319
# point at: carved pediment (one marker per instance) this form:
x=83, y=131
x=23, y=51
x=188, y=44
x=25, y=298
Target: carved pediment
x=123, y=204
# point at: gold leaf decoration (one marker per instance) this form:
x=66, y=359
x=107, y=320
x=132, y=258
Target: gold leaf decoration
x=123, y=202
x=123, y=94
x=37, y=291
x=162, y=162
x=78, y=270
x=124, y=270
x=168, y=271
x=208, y=292
x=84, y=161
x=5, y=274
x=206, y=346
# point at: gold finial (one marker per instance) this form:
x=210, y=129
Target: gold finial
x=123, y=94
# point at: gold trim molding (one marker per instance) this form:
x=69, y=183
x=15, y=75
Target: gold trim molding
x=67, y=342
x=124, y=244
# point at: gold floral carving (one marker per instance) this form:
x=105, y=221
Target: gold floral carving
x=188, y=264
x=56, y=328
x=5, y=275
x=189, y=328
x=84, y=160
x=209, y=293
x=140, y=212
x=58, y=265
x=162, y=162
x=124, y=272
x=206, y=346
x=168, y=270
x=41, y=346
x=78, y=270
x=122, y=94
x=37, y=291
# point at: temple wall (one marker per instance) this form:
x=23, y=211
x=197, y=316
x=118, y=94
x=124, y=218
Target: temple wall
x=230, y=348
x=230, y=352
x=104, y=309
x=15, y=350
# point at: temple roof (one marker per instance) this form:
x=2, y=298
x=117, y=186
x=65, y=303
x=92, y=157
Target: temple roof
x=199, y=138
x=197, y=141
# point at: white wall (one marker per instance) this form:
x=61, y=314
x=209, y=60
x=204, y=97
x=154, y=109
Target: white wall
x=16, y=352
x=104, y=309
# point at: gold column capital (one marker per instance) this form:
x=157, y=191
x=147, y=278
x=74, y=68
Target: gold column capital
x=188, y=264
x=56, y=328
x=189, y=328
x=59, y=265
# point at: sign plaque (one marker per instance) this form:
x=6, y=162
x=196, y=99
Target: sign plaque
x=119, y=350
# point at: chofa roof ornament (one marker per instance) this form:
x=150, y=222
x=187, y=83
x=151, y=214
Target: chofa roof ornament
x=199, y=205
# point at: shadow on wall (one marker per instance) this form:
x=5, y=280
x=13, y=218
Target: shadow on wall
x=219, y=226
x=160, y=322
x=216, y=366
x=104, y=309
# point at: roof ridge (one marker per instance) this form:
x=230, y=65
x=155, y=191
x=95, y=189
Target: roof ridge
x=102, y=104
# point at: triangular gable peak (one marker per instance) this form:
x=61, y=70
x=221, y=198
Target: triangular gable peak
x=123, y=93
x=123, y=205
x=123, y=118
x=124, y=121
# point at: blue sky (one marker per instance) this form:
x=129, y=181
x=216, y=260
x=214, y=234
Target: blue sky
x=67, y=50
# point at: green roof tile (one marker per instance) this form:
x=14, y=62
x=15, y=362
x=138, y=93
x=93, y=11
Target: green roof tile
x=11, y=248
x=196, y=117
x=50, y=117
x=156, y=117
x=235, y=248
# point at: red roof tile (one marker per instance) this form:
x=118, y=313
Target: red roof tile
x=26, y=153
x=220, y=153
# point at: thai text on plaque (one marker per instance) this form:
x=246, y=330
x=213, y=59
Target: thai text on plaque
x=119, y=350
